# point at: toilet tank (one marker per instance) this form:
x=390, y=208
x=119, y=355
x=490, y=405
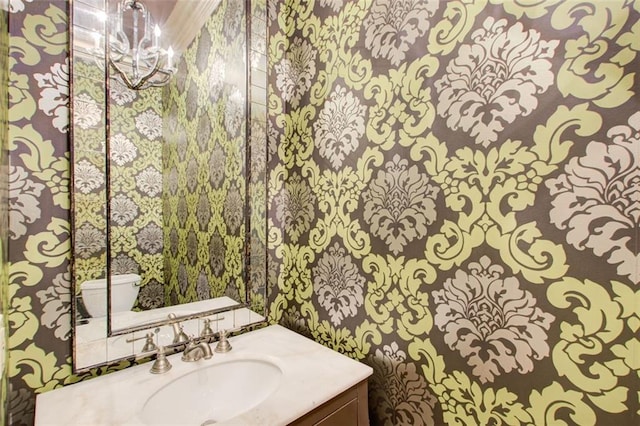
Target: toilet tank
x=124, y=292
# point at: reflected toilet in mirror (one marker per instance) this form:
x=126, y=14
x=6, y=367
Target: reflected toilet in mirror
x=124, y=291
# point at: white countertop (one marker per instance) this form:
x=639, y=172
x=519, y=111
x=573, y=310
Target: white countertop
x=312, y=375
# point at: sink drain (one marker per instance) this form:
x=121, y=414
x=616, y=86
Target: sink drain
x=209, y=422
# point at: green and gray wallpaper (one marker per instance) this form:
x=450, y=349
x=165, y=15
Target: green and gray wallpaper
x=39, y=293
x=4, y=206
x=89, y=197
x=136, y=221
x=453, y=199
x=204, y=163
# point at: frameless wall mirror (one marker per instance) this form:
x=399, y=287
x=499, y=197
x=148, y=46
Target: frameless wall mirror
x=168, y=154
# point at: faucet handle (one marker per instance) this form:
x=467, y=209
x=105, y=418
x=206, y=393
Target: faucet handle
x=161, y=364
x=149, y=344
x=206, y=331
x=223, y=343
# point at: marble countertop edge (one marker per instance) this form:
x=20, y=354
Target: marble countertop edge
x=312, y=375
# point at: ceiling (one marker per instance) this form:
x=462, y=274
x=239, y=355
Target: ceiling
x=161, y=9
x=180, y=20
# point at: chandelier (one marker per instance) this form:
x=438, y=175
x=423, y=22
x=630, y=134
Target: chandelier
x=134, y=50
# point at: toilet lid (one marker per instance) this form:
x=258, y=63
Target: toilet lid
x=101, y=283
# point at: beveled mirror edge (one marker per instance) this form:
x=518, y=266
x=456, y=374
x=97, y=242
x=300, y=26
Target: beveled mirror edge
x=246, y=270
x=72, y=217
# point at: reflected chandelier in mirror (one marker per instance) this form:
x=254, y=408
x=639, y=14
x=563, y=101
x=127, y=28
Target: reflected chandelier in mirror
x=134, y=50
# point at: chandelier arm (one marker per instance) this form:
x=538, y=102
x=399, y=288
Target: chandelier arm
x=123, y=75
x=146, y=78
x=159, y=83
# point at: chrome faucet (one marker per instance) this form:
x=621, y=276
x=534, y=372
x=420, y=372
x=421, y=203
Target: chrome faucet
x=196, y=351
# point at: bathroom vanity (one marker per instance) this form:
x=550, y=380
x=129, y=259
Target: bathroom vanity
x=272, y=376
x=349, y=408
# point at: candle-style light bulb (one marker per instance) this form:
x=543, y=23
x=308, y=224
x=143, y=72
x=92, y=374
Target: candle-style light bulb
x=96, y=39
x=102, y=17
x=118, y=26
x=169, y=57
x=156, y=36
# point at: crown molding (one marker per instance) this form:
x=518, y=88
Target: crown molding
x=185, y=22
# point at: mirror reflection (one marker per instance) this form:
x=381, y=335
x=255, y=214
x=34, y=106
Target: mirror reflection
x=166, y=199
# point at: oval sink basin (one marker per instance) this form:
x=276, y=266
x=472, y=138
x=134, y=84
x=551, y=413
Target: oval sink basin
x=212, y=394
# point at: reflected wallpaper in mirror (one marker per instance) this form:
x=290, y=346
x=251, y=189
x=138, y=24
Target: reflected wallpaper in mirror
x=89, y=132
x=177, y=172
x=135, y=189
x=204, y=158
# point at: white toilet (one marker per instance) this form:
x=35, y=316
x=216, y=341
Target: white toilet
x=124, y=292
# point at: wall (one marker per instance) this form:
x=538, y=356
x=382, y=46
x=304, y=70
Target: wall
x=453, y=198
x=204, y=161
x=39, y=245
x=4, y=206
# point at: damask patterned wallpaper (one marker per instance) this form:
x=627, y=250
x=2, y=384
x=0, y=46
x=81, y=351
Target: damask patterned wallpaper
x=454, y=201
x=136, y=181
x=205, y=133
x=136, y=144
x=39, y=293
x=526, y=256
x=4, y=206
x=89, y=155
